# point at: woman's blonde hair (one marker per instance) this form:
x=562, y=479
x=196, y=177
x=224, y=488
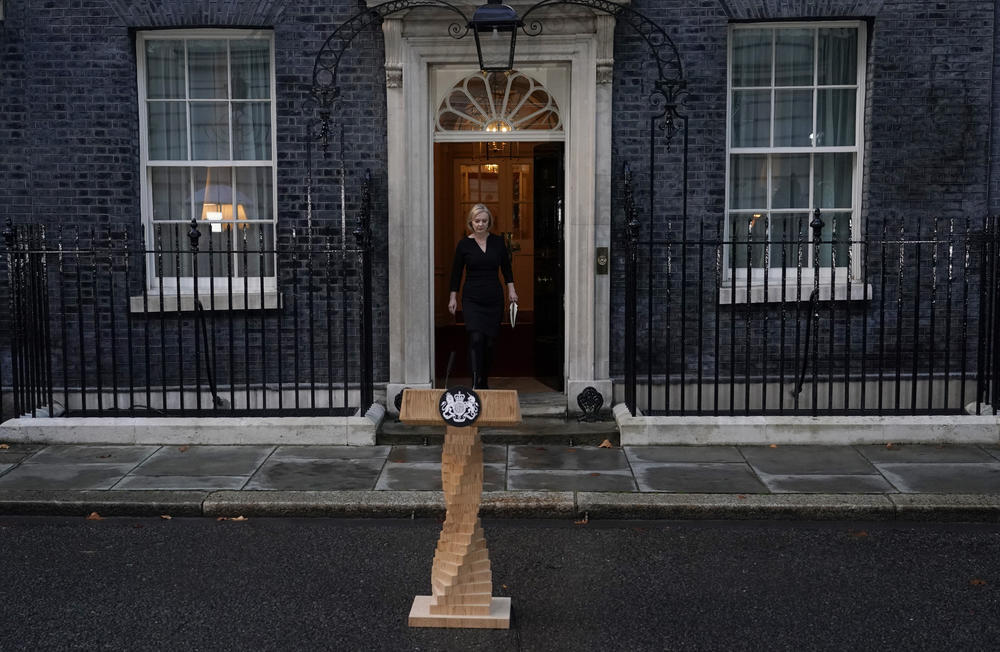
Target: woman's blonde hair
x=476, y=210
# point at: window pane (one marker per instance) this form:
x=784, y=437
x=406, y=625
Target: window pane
x=836, y=227
x=213, y=195
x=790, y=181
x=751, y=118
x=251, y=131
x=172, y=246
x=165, y=69
x=752, y=57
x=171, y=193
x=789, y=239
x=792, y=118
x=167, y=131
x=793, y=57
x=748, y=175
x=838, y=56
x=748, y=233
x=489, y=185
x=210, y=130
x=834, y=178
x=254, y=193
x=207, y=69
x=835, y=117
x=255, y=244
x=251, y=63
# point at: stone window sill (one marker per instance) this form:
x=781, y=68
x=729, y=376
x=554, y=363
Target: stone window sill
x=221, y=301
x=841, y=291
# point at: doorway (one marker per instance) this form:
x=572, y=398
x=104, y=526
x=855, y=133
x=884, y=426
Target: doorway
x=522, y=183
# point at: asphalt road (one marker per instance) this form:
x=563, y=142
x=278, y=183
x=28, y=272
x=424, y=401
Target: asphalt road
x=319, y=584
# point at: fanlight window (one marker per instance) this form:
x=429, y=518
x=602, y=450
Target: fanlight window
x=498, y=102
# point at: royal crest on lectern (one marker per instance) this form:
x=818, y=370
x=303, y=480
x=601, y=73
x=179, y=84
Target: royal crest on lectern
x=460, y=406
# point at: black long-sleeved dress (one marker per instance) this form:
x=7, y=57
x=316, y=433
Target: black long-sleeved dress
x=482, y=294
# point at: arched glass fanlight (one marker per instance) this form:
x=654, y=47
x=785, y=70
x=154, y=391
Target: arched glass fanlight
x=498, y=103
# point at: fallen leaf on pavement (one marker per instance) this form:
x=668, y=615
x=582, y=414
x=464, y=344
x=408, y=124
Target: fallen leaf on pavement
x=858, y=534
x=232, y=518
x=741, y=497
x=584, y=520
x=183, y=449
x=606, y=444
x=4, y=446
x=977, y=582
x=892, y=446
x=94, y=516
x=774, y=446
x=166, y=517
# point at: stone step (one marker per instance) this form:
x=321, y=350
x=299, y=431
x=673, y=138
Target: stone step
x=532, y=430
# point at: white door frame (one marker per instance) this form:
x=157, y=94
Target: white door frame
x=413, y=48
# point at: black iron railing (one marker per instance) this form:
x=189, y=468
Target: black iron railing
x=806, y=320
x=101, y=325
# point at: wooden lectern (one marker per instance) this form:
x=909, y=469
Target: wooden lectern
x=461, y=579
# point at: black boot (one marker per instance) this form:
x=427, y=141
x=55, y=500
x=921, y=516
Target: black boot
x=487, y=364
x=475, y=361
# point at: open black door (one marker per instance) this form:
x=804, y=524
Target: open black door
x=549, y=308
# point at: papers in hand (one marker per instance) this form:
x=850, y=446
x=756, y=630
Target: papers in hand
x=513, y=313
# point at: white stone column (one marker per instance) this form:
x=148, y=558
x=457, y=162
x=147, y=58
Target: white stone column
x=409, y=327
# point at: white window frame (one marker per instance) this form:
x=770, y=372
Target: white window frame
x=217, y=285
x=847, y=282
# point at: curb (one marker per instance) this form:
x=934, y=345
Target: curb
x=506, y=504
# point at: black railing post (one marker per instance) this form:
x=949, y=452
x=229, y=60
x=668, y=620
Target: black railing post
x=193, y=235
x=631, y=271
x=817, y=225
x=10, y=239
x=363, y=234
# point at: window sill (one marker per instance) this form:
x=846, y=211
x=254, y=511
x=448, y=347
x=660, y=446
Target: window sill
x=841, y=291
x=151, y=303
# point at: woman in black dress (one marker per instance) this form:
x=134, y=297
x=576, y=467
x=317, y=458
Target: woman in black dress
x=480, y=255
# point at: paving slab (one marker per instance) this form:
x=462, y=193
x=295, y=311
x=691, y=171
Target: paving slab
x=329, y=453
x=570, y=480
x=426, y=476
x=993, y=449
x=492, y=453
x=90, y=454
x=924, y=453
x=205, y=460
x=713, y=454
x=975, y=478
x=818, y=483
x=697, y=478
x=180, y=482
x=5, y=467
x=64, y=476
x=18, y=452
x=563, y=457
x=801, y=460
x=316, y=475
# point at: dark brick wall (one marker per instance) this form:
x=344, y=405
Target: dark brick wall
x=69, y=137
x=927, y=122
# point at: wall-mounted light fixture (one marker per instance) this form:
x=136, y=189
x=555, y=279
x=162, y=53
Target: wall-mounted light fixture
x=495, y=27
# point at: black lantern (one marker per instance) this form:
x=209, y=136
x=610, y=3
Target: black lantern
x=495, y=27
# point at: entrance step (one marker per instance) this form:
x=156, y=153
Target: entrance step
x=532, y=430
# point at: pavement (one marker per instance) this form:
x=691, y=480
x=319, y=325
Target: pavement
x=876, y=482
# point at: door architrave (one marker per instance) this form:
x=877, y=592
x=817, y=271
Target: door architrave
x=412, y=52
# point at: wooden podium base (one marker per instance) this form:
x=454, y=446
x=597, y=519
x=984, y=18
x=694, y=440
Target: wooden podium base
x=420, y=615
